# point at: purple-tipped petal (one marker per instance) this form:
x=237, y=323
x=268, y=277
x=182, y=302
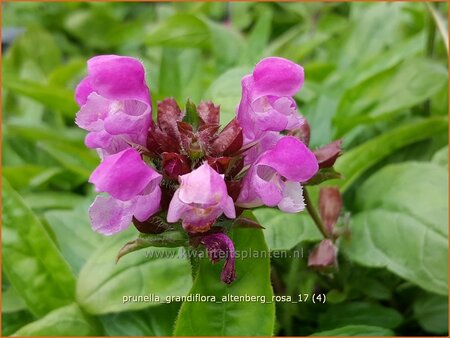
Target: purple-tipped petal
x=291, y=159
x=109, y=215
x=123, y=175
x=277, y=76
x=91, y=115
x=218, y=247
x=267, y=104
x=118, y=78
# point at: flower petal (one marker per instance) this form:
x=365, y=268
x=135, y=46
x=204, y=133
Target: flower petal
x=278, y=76
x=291, y=159
x=118, y=78
x=109, y=215
x=292, y=200
x=123, y=175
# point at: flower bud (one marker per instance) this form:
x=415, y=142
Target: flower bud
x=219, y=246
x=174, y=165
x=323, y=256
x=330, y=205
x=328, y=154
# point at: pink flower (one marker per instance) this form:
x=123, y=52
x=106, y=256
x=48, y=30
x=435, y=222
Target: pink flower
x=275, y=176
x=267, y=103
x=133, y=189
x=115, y=104
x=200, y=199
x=219, y=246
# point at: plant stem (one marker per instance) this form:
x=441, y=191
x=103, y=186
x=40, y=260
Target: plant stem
x=313, y=213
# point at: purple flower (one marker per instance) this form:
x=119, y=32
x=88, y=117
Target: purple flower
x=200, y=199
x=274, y=178
x=133, y=189
x=115, y=104
x=219, y=246
x=267, y=103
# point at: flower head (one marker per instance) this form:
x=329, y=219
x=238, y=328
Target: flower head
x=267, y=103
x=115, y=104
x=201, y=198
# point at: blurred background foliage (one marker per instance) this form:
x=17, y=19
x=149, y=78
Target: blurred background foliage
x=376, y=76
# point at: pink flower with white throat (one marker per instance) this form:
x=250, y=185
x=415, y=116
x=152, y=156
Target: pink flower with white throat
x=201, y=198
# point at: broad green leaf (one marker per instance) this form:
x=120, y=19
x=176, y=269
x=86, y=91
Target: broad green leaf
x=79, y=160
x=352, y=164
x=441, y=156
x=232, y=318
x=284, y=231
x=65, y=321
x=226, y=91
x=102, y=283
x=431, y=311
x=356, y=330
x=29, y=176
x=169, y=74
x=52, y=200
x=259, y=35
x=35, y=44
x=226, y=43
x=402, y=87
x=13, y=321
x=179, y=30
x=403, y=224
x=358, y=313
x=53, y=97
x=30, y=258
x=74, y=235
x=154, y=321
x=418, y=189
x=11, y=301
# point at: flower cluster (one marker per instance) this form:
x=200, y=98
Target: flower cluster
x=181, y=166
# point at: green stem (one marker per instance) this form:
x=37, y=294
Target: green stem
x=313, y=213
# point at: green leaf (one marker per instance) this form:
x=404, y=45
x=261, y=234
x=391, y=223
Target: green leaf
x=169, y=75
x=356, y=330
x=53, y=97
x=31, y=260
x=166, y=239
x=431, y=312
x=13, y=321
x=226, y=91
x=11, y=301
x=284, y=231
x=74, y=235
x=179, y=30
x=352, y=164
x=402, y=87
x=29, y=176
x=259, y=35
x=403, y=224
x=51, y=200
x=358, y=313
x=102, y=284
x=154, y=321
x=441, y=156
x=65, y=321
x=232, y=318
